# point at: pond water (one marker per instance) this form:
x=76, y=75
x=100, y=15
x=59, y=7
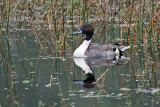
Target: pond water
x=45, y=79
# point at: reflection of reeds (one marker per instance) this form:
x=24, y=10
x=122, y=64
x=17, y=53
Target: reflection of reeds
x=102, y=78
x=3, y=56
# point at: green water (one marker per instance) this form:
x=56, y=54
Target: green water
x=41, y=79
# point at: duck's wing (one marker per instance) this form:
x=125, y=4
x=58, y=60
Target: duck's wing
x=101, y=48
x=107, y=47
x=98, y=50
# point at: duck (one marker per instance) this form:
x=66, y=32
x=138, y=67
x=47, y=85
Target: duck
x=90, y=50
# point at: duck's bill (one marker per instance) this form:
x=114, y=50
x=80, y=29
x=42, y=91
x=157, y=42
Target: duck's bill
x=78, y=32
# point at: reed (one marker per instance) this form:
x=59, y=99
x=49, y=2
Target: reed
x=63, y=30
x=3, y=53
x=8, y=33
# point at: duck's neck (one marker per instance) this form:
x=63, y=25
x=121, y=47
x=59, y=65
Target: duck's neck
x=89, y=36
x=80, y=51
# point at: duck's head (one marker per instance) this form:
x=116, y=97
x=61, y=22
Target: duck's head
x=86, y=29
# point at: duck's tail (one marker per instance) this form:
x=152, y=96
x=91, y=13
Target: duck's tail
x=123, y=48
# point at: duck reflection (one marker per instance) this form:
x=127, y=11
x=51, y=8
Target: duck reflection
x=88, y=63
x=89, y=81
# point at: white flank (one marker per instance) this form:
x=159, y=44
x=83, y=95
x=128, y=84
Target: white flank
x=117, y=51
x=80, y=51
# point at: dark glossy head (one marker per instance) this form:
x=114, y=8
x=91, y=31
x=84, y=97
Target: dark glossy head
x=86, y=29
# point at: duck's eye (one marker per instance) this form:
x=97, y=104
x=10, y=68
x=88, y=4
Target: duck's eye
x=114, y=49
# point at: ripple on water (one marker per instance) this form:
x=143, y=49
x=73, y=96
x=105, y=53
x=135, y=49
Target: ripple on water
x=152, y=90
x=125, y=89
x=72, y=95
x=81, y=91
x=48, y=85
